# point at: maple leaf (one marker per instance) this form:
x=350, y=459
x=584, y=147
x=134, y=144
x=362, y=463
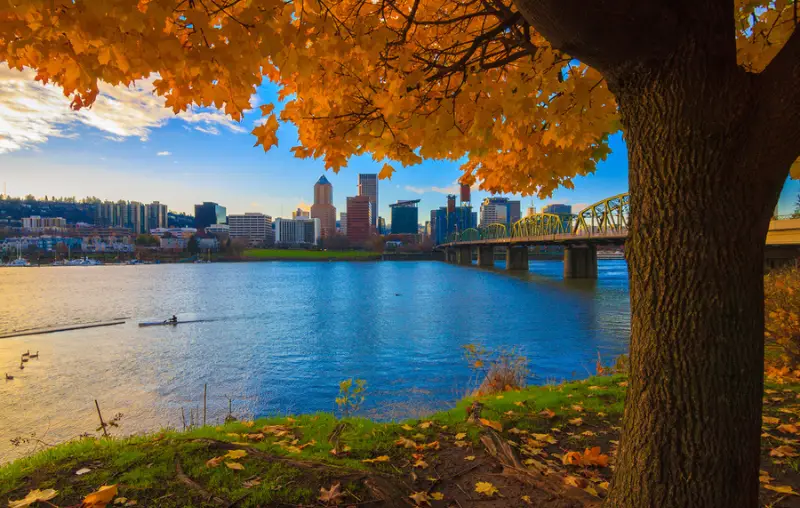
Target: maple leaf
x=249, y=484
x=407, y=427
x=783, y=451
x=405, y=443
x=788, y=428
x=486, y=488
x=101, y=497
x=783, y=489
x=382, y=458
x=576, y=421
x=266, y=134
x=492, y=424
x=235, y=454
x=771, y=420
x=234, y=465
x=575, y=481
x=425, y=425
x=547, y=413
x=386, y=172
x=460, y=436
x=332, y=495
x=438, y=496
x=577, y=407
x=33, y=496
x=527, y=499
x=421, y=498
x=216, y=461
x=469, y=457
x=519, y=403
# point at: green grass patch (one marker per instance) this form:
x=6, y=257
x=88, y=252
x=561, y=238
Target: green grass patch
x=320, y=255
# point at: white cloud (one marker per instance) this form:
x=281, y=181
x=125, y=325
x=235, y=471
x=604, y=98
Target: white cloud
x=450, y=189
x=208, y=130
x=31, y=113
x=118, y=139
x=164, y=154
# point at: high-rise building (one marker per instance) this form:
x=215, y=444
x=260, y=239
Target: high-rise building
x=255, y=227
x=301, y=213
x=563, y=211
x=443, y=223
x=208, y=214
x=382, y=230
x=37, y=223
x=368, y=186
x=323, y=208
x=137, y=218
x=499, y=211
x=299, y=231
x=466, y=193
x=156, y=215
x=343, y=223
x=359, y=218
x=405, y=217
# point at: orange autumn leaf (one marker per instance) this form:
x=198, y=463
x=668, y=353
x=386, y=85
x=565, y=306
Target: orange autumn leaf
x=547, y=413
x=590, y=457
x=783, y=451
x=492, y=424
x=101, y=497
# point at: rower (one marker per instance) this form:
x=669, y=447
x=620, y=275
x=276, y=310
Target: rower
x=174, y=319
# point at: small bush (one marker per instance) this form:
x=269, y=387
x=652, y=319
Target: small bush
x=351, y=396
x=498, y=371
x=782, y=314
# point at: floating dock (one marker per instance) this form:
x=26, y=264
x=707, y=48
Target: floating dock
x=67, y=328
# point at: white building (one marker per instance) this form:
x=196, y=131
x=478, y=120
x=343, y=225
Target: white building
x=218, y=229
x=255, y=227
x=184, y=233
x=343, y=223
x=300, y=231
x=36, y=223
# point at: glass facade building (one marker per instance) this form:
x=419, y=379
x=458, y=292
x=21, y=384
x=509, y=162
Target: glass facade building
x=209, y=214
x=405, y=217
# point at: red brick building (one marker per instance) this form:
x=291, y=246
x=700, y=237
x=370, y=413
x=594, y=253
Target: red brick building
x=359, y=219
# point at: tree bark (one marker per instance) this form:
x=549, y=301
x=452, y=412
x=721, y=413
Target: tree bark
x=699, y=216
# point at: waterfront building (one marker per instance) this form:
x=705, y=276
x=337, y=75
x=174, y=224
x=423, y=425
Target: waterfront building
x=37, y=223
x=443, y=223
x=301, y=213
x=405, y=217
x=323, y=208
x=298, y=231
x=218, y=229
x=184, y=233
x=156, y=215
x=368, y=186
x=563, y=211
x=359, y=219
x=256, y=228
x=499, y=211
x=343, y=223
x=207, y=214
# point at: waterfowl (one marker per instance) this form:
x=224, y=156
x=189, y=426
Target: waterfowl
x=9, y=378
x=27, y=353
x=36, y=355
x=23, y=359
x=21, y=366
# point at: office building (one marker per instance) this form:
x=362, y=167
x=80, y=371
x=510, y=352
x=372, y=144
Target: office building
x=444, y=224
x=323, y=208
x=256, y=228
x=499, y=211
x=299, y=231
x=343, y=223
x=368, y=186
x=382, y=227
x=405, y=217
x=207, y=214
x=563, y=211
x=300, y=213
x=359, y=219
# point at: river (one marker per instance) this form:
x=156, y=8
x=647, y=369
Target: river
x=282, y=335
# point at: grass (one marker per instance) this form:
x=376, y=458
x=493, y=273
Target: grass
x=293, y=459
x=309, y=254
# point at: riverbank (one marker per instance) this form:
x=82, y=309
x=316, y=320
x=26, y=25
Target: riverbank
x=546, y=446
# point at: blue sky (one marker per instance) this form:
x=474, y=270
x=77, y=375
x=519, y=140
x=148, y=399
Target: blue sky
x=129, y=147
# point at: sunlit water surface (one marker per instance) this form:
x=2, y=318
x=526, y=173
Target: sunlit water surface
x=283, y=335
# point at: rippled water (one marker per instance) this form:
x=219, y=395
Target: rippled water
x=284, y=334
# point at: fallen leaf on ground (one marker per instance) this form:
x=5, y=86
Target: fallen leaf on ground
x=588, y=433
x=783, y=489
x=495, y=425
x=418, y=436
x=770, y=420
x=382, y=458
x=405, y=443
x=236, y=454
x=407, y=427
x=788, y=428
x=421, y=498
x=547, y=413
x=101, y=497
x=603, y=485
x=622, y=383
x=234, y=465
x=546, y=438
x=216, y=461
x=469, y=457
x=577, y=407
x=595, y=387
x=433, y=445
x=249, y=425
x=82, y=471
x=249, y=484
x=519, y=403
x=33, y=496
x=438, y=496
x=461, y=444
x=256, y=437
x=575, y=481
x=576, y=421
x=764, y=477
x=590, y=457
x=527, y=499
x=591, y=490
x=121, y=500
x=460, y=436
x=783, y=451
x=486, y=488
x=425, y=425
x=332, y=495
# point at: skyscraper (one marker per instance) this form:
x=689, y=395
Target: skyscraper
x=323, y=208
x=499, y=211
x=368, y=186
x=209, y=214
x=156, y=215
x=405, y=217
x=359, y=219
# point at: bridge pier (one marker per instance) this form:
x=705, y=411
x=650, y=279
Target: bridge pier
x=580, y=262
x=450, y=255
x=517, y=258
x=464, y=255
x=485, y=255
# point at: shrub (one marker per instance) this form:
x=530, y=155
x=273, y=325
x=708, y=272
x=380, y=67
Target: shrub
x=498, y=371
x=782, y=314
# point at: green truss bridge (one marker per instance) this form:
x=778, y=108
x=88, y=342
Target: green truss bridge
x=603, y=223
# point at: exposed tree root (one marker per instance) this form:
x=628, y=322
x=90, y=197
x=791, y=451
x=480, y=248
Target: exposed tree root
x=197, y=487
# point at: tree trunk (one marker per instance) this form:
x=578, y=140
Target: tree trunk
x=699, y=217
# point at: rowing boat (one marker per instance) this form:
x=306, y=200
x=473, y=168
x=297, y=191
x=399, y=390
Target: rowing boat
x=171, y=323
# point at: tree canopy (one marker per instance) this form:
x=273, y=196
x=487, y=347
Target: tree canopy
x=403, y=80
